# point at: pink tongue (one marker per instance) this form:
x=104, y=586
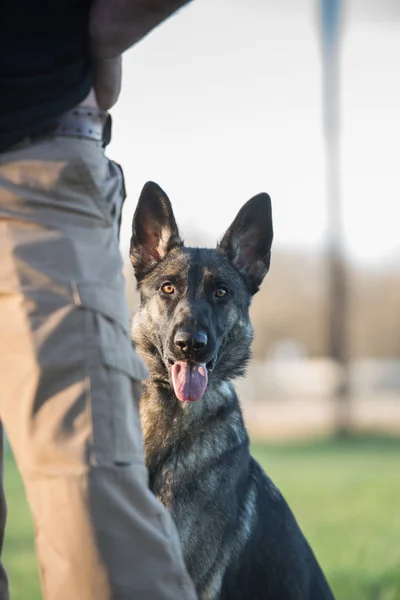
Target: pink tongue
x=189, y=380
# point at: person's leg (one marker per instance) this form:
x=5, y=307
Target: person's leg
x=3, y=514
x=71, y=381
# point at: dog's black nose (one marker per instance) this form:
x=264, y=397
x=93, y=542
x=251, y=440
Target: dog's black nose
x=190, y=342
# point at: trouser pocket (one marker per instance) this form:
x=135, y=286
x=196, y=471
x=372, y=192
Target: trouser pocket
x=115, y=374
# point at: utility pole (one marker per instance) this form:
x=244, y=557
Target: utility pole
x=330, y=26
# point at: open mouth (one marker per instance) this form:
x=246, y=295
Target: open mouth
x=190, y=378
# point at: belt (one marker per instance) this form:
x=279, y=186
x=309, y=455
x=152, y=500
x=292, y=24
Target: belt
x=83, y=123
x=86, y=123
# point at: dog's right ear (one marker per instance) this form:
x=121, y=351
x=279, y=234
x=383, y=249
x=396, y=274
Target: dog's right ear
x=154, y=229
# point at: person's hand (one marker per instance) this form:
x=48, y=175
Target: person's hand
x=107, y=76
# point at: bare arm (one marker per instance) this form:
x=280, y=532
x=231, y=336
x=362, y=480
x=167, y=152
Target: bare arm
x=115, y=26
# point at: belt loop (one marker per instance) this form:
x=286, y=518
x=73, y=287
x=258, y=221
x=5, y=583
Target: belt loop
x=123, y=197
x=107, y=131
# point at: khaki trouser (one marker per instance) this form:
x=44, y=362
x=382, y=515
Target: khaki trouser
x=70, y=381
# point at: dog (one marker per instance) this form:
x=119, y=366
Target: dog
x=239, y=538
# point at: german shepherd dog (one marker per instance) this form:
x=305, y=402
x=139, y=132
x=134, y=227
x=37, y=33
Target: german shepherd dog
x=239, y=538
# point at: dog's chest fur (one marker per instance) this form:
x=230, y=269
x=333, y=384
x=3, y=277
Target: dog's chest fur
x=200, y=472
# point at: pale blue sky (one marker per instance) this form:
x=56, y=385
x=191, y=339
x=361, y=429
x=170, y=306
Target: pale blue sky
x=224, y=101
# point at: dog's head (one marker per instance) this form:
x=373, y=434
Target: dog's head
x=192, y=326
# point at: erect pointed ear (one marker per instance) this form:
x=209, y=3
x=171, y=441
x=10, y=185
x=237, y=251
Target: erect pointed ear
x=154, y=230
x=247, y=243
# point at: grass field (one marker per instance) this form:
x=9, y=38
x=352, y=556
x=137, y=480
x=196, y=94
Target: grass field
x=345, y=495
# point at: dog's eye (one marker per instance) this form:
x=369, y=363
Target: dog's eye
x=168, y=288
x=221, y=292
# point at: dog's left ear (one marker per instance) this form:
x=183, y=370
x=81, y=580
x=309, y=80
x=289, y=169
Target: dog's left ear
x=154, y=229
x=247, y=243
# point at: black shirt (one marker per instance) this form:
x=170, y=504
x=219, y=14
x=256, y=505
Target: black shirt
x=44, y=63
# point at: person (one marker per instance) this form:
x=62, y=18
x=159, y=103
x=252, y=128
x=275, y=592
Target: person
x=70, y=380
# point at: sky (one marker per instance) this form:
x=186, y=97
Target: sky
x=224, y=101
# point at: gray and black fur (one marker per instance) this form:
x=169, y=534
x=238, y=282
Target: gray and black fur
x=239, y=538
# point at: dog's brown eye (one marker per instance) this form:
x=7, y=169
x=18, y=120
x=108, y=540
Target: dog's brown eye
x=168, y=288
x=220, y=293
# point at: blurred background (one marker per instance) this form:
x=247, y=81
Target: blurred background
x=299, y=98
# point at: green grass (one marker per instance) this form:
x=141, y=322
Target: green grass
x=18, y=552
x=345, y=495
